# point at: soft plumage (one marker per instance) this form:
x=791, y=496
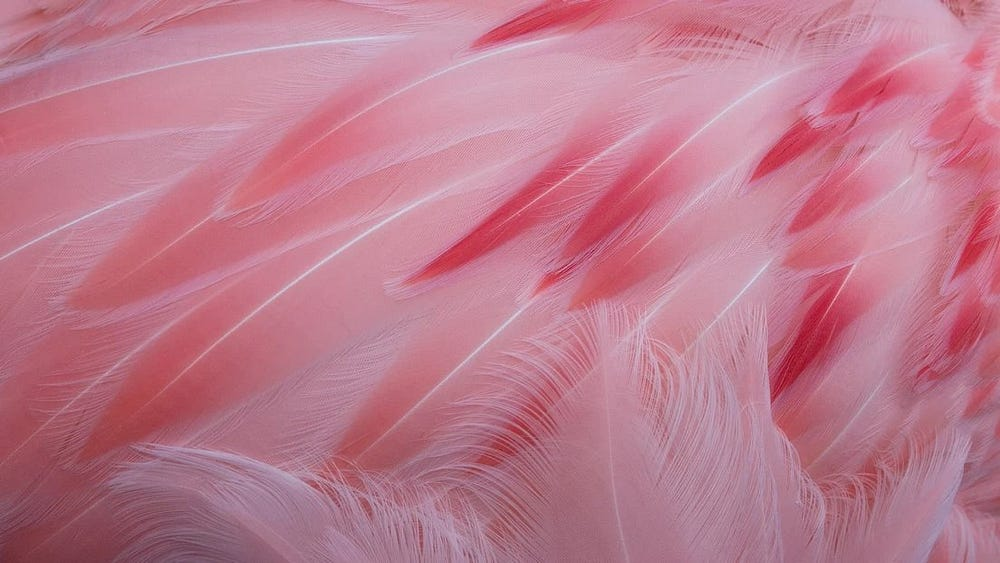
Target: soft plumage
x=581, y=280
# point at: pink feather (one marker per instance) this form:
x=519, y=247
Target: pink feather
x=545, y=280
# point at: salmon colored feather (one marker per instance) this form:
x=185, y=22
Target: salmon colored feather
x=532, y=280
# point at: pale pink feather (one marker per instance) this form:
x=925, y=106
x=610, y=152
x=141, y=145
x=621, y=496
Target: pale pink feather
x=567, y=280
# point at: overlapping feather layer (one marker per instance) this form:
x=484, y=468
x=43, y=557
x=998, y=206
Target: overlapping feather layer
x=551, y=280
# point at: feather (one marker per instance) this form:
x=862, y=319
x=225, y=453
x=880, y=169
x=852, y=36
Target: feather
x=966, y=539
x=644, y=280
x=245, y=509
x=599, y=392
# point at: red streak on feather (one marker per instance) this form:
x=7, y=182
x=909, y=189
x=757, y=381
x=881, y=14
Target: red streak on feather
x=883, y=74
x=802, y=136
x=515, y=216
x=835, y=307
x=956, y=116
x=336, y=128
x=636, y=261
x=556, y=13
x=979, y=239
x=639, y=187
x=553, y=277
x=976, y=57
x=842, y=190
x=969, y=326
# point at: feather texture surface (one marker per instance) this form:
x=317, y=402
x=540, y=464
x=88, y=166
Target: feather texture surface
x=543, y=280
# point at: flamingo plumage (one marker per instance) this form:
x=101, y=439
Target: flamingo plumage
x=533, y=280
